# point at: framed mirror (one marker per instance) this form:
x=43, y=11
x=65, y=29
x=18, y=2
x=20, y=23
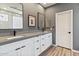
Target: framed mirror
x=11, y=16
x=41, y=21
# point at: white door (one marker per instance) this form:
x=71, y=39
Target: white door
x=64, y=29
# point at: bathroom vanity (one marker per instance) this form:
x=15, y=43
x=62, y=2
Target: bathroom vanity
x=29, y=44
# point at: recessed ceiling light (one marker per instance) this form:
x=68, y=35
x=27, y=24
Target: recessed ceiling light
x=47, y=4
x=4, y=8
x=44, y=3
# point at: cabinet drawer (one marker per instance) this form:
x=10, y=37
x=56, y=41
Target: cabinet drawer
x=37, y=50
x=43, y=47
x=26, y=42
x=37, y=39
x=48, y=35
x=12, y=46
x=9, y=47
x=37, y=45
x=43, y=36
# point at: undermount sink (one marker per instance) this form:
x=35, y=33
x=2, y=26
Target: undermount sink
x=15, y=37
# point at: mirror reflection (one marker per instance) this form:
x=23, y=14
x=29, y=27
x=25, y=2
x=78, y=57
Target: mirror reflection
x=11, y=16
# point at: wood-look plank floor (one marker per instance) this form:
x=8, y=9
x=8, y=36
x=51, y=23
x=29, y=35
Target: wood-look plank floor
x=59, y=51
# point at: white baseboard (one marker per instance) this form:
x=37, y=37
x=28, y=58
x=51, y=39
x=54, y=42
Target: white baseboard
x=71, y=49
x=75, y=51
x=54, y=45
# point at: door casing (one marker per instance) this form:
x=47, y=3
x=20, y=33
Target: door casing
x=71, y=26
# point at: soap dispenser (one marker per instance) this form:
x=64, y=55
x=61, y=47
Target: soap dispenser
x=14, y=33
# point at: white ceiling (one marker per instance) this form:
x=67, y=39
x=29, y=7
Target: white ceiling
x=47, y=4
x=11, y=7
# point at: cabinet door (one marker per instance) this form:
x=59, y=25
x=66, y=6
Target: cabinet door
x=27, y=50
x=43, y=43
x=26, y=47
x=37, y=45
x=46, y=41
x=49, y=40
x=43, y=47
x=37, y=51
x=30, y=47
x=9, y=49
x=23, y=51
x=13, y=53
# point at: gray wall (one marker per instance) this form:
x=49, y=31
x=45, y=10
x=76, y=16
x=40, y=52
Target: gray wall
x=50, y=17
x=28, y=9
x=31, y=9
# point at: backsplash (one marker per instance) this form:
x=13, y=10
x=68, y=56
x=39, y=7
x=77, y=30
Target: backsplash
x=5, y=32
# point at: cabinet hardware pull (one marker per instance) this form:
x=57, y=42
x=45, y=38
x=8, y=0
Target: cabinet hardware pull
x=17, y=48
x=42, y=38
x=23, y=46
x=37, y=48
x=37, y=40
x=42, y=44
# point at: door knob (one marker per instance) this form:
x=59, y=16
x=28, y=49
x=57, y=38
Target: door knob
x=69, y=32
